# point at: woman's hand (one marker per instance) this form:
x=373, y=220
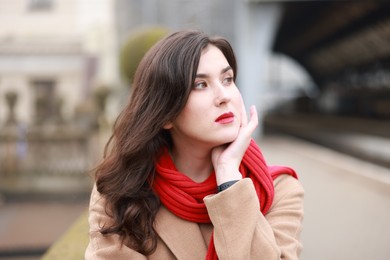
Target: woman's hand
x=227, y=158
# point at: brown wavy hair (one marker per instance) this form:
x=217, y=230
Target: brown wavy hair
x=161, y=86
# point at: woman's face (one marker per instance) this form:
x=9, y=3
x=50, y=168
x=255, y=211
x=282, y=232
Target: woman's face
x=212, y=114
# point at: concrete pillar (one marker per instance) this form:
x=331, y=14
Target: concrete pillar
x=255, y=27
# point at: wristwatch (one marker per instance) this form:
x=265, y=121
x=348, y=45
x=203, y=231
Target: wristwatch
x=226, y=185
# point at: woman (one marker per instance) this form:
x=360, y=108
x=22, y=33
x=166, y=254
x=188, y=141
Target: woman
x=182, y=178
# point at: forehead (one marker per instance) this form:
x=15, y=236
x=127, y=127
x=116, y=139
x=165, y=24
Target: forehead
x=212, y=58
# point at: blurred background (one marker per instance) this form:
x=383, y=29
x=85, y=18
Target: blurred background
x=318, y=72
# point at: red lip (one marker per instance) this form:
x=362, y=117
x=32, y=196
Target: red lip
x=225, y=118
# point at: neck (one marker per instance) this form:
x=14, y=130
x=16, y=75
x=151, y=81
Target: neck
x=195, y=163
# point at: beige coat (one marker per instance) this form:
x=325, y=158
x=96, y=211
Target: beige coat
x=241, y=231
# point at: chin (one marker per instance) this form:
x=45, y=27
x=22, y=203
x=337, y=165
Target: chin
x=229, y=137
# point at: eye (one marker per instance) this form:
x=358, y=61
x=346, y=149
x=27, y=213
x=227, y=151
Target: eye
x=227, y=81
x=200, y=85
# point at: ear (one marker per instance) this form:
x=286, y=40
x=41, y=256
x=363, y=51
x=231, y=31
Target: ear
x=168, y=126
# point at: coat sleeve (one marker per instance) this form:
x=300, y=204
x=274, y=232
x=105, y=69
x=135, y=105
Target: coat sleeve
x=241, y=231
x=104, y=247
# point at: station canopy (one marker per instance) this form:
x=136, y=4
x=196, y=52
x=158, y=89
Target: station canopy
x=335, y=40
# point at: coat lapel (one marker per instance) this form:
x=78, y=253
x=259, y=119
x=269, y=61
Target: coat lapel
x=182, y=237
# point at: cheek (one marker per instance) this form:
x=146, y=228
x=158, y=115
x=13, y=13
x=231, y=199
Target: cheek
x=195, y=107
x=191, y=113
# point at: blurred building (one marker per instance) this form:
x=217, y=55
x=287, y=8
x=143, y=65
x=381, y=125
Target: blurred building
x=56, y=57
x=53, y=53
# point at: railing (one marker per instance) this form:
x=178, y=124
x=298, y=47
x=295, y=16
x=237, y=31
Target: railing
x=46, y=161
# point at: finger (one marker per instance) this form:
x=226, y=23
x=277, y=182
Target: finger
x=243, y=139
x=254, y=120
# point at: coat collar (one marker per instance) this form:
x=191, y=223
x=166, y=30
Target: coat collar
x=182, y=237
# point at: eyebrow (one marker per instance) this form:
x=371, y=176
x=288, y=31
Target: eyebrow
x=224, y=70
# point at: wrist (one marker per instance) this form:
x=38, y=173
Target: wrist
x=226, y=173
x=222, y=178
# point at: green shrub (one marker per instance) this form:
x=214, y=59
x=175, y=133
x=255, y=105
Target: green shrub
x=135, y=48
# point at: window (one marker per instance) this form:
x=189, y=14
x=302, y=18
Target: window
x=45, y=99
x=40, y=5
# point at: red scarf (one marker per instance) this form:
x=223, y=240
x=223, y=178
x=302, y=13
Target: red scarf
x=184, y=197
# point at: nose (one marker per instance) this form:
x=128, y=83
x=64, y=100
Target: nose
x=222, y=94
